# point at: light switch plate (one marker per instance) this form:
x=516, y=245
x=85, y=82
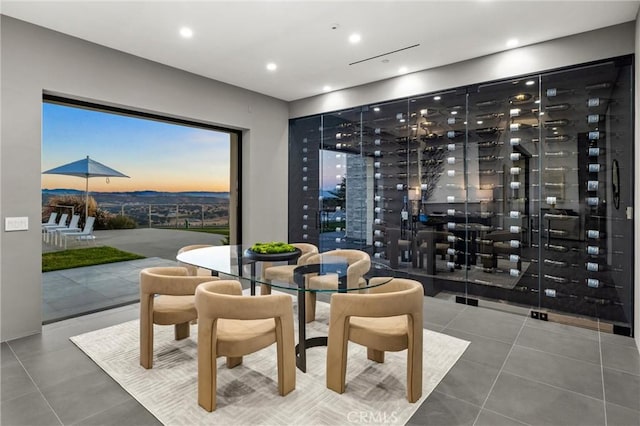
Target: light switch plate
x=16, y=223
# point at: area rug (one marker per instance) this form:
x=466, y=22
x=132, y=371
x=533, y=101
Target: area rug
x=247, y=394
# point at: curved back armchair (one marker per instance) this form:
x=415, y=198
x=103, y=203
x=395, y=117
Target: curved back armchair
x=174, y=304
x=388, y=318
x=359, y=264
x=233, y=325
x=194, y=270
x=284, y=273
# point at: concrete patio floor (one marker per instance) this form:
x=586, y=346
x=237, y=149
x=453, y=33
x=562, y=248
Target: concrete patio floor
x=72, y=292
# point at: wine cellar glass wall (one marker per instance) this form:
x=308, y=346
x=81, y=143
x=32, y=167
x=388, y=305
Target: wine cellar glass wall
x=516, y=191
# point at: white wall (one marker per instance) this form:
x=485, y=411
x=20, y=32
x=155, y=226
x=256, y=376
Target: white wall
x=580, y=48
x=34, y=60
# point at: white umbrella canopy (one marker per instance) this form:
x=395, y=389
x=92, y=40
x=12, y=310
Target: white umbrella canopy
x=85, y=168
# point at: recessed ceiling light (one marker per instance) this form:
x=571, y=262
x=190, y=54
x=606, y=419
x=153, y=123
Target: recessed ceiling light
x=326, y=88
x=454, y=112
x=354, y=38
x=377, y=109
x=512, y=42
x=436, y=98
x=402, y=70
x=271, y=66
x=530, y=83
x=186, y=32
x=479, y=121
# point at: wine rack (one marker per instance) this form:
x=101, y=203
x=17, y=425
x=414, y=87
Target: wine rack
x=520, y=189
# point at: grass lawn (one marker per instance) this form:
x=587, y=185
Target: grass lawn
x=76, y=258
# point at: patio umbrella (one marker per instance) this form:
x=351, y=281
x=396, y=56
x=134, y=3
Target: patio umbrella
x=85, y=168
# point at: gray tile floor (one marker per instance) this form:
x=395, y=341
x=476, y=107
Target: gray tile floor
x=516, y=371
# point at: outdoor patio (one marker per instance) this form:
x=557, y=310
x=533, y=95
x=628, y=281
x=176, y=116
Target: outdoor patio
x=72, y=292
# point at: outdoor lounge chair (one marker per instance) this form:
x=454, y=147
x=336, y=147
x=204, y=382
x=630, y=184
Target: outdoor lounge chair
x=61, y=223
x=73, y=225
x=52, y=220
x=85, y=235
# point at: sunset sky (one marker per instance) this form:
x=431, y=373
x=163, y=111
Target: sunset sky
x=157, y=156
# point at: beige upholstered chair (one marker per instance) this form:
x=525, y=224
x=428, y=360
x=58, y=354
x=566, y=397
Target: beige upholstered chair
x=233, y=325
x=194, y=270
x=359, y=264
x=388, y=318
x=174, y=304
x=284, y=273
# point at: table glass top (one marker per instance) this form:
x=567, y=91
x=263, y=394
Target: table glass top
x=234, y=261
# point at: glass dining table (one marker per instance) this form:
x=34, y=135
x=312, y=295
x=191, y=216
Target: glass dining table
x=238, y=262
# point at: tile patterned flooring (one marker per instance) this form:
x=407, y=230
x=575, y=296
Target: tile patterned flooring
x=517, y=371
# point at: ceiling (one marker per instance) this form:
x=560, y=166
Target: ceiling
x=234, y=40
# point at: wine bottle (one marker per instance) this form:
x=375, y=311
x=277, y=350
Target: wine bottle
x=593, y=201
x=560, y=153
x=592, y=185
x=487, y=158
x=489, y=116
x=488, y=103
x=595, y=118
x=594, y=234
x=556, y=279
x=520, y=98
x=431, y=162
x=598, y=86
x=557, y=107
x=452, y=134
x=488, y=144
x=556, y=247
x=597, y=102
x=556, y=123
x=594, y=250
x=595, y=168
x=516, y=127
x=557, y=92
x=596, y=135
x=556, y=233
x=406, y=139
x=550, y=292
x=490, y=172
x=601, y=301
x=557, y=138
x=403, y=151
x=594, y=267
x=555, y=263
x=596, y=283
x=485, y=131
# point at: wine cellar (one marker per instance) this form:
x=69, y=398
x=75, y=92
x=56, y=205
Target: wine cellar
x=516, y=191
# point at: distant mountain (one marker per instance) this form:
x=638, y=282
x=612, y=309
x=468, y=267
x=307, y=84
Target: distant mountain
x=147, y=193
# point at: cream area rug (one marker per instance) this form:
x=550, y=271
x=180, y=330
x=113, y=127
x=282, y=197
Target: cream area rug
x=248, y=394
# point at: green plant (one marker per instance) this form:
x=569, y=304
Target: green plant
x=121, y=222
x=272, y=247
x=76, y=258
